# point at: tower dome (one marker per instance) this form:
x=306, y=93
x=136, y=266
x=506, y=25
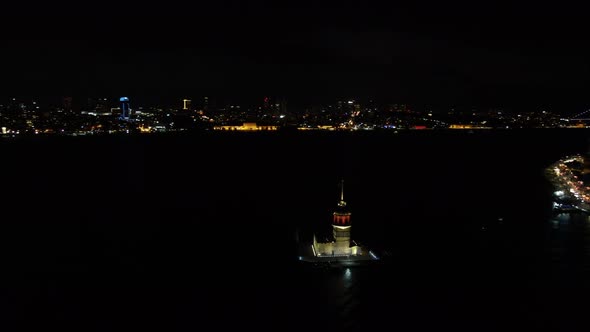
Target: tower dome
x=341, y=215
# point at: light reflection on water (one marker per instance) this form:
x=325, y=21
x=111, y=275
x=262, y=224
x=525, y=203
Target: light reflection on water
x=340, y=288
x=352, y=292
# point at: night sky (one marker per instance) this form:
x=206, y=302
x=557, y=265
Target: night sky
x=451, y=54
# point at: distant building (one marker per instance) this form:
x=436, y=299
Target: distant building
x=98, y=107
x=125, y=109
x=328, y=127
x=67, y=103
x=186, y=104
x=102, y=105
x=467, y=126
x=246, y=126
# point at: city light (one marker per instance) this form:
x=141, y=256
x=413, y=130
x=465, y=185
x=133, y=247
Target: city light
x=116, y=116
x=571, y=192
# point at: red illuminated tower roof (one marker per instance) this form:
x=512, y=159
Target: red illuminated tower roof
x=341, y=215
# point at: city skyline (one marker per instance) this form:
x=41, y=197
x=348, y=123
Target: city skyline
x=176, y=100
x=125, y=115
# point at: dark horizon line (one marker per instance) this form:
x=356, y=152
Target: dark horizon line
x=221, y=100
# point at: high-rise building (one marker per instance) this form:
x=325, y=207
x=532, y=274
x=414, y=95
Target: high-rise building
x=97, y=104
x=283, y=105
x=186, y=104
x=67, y=103
x=125, y=109
x=90, y=104
x=266, y=103
x=102, y=105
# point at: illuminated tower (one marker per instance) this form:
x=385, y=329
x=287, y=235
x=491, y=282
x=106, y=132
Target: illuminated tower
x=341, y=225
x=125, y=110
x=186, y=104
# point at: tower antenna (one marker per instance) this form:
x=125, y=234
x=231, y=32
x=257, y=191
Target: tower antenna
x=342, y=203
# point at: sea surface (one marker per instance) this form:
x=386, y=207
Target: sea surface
x=200, y=231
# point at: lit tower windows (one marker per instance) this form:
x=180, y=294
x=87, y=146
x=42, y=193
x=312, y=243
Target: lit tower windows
x=186, y=104
x=125, y=109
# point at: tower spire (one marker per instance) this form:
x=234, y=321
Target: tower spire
x=342, y=203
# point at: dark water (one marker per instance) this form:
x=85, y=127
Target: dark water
x=198, y=231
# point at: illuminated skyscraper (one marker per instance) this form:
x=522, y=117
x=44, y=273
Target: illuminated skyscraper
x=125, y=109
x=186, y=104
